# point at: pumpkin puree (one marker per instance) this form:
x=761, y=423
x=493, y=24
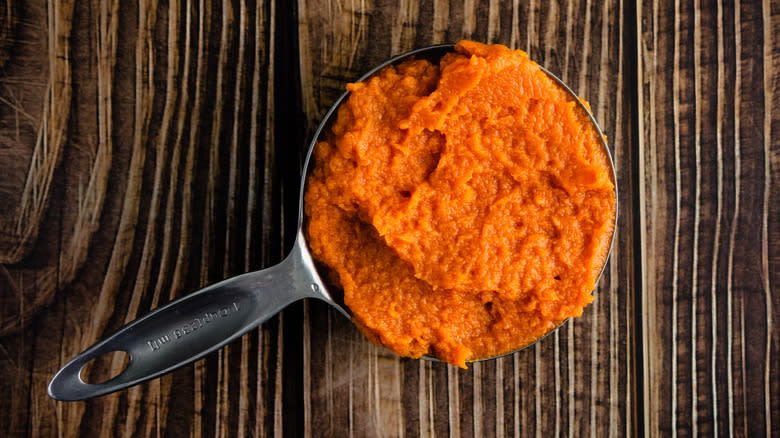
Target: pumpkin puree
x=466, y=209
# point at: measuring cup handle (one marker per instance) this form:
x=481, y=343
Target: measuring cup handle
x=189, y=328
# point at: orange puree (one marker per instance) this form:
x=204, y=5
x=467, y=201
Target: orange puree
x=466, y=209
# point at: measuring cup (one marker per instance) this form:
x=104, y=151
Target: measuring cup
x=200, y=323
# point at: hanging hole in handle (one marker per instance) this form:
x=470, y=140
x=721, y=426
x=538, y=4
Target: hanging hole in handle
x=105, y=367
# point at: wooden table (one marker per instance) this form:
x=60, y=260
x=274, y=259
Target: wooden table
x=154, y=147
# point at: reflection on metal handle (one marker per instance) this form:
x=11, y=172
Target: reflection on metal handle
x=191, y=327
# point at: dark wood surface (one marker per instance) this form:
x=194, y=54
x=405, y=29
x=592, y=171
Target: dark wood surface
x=710, y=163
x=149, y=148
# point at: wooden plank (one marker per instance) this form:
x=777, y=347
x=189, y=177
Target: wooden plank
x=575, y=382
x=174, y=200
x=709, y=151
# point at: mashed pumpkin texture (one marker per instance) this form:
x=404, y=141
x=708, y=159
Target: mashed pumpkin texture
x=465, y=208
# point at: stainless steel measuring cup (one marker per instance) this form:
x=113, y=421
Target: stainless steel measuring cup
x=193, y=326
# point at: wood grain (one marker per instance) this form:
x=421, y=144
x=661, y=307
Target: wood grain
x=709, y=154
x=152, y=147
